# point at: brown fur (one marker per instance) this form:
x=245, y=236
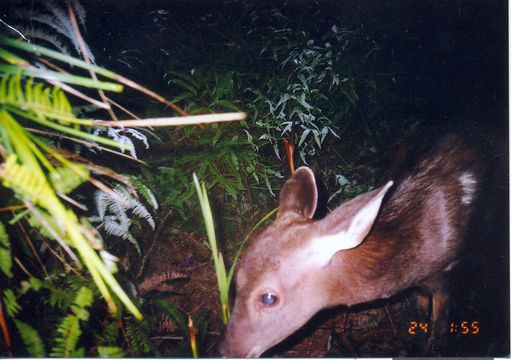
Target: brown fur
x=414, y=241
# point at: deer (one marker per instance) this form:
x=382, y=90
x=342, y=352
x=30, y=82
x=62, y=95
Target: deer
x=406, y=234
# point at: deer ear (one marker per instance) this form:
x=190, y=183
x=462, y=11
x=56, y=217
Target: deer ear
x=299, y=196
x=347, y=226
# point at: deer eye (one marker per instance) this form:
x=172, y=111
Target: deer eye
x=269, y=299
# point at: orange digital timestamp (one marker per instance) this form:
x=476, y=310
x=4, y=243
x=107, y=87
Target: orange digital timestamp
x=421, y=327
x=463, y=327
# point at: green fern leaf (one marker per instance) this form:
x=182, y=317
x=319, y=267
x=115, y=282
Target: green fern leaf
x=11, y=303
x=110, y=352
x=69, y=330
x=23, y=181
x=47, y=102
x=65, y=179
x=5, y=252
x=30, y=337
x=83, y=299
x=144, y=191
x=137, y=333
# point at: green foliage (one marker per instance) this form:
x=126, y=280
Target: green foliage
x=69, y=329
x=206, y=91
x=34, y=98
x=181, y=320
x=110, y=352
x=223, y=158
x=11, y=303
x=5, y=252
x=320, y=84
x=28, y=170
x=223, y=155
x=137, y=332
x=31, y=338
x=64, y=180
x=224, y=279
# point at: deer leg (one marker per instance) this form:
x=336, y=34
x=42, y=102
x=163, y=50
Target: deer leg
x=439, y=317
x=439, y=321
x=423, y=302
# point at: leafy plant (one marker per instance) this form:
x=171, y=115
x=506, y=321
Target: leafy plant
x=224, y=279
x=30, y=337
x=5, y=252
x=113, y=208
x=69, y=329
x=193, y=328
x=205, y=90
x=222, y=155
x=52, y=24
x=42, y=177
x=28, y=169
x=110, y=352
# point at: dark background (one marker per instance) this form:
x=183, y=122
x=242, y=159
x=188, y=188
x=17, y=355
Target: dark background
x=451, y=54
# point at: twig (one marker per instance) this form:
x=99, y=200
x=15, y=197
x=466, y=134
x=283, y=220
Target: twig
x=125, y=336
x=22, y=267
x=122, y=108
x=13, y=207
x=64, y=263
x=174, y=121
x=14, y=29
x=29, y=241
x=390, y=318
x=150, y=93
x=72, y=201
x=155, y=240
x=166, y=337
x=71, y=89
x=85, y=55
x=52, y=232
x=102, y=148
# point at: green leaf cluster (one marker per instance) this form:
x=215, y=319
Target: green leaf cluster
x=28, y=168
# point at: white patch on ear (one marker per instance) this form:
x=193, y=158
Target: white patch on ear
x=321, y=249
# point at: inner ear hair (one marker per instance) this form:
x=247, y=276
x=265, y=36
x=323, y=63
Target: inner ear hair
x=299, y=196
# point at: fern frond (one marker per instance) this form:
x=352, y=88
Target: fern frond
x=83, y=299
x=80, y=12
x=23, y=181
x=11, y=303
x=45, y=102
x=64, y=178
x=109, y=334
x=136, y=207
x=5, y=252
x=144, y=191
x=117, y=206
x=62, y=23
x=41, y=34
x=113, y=211
x=120, y=230
x=69, y=330
x=30, y=337
x=101, y=199
x=137, y=333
